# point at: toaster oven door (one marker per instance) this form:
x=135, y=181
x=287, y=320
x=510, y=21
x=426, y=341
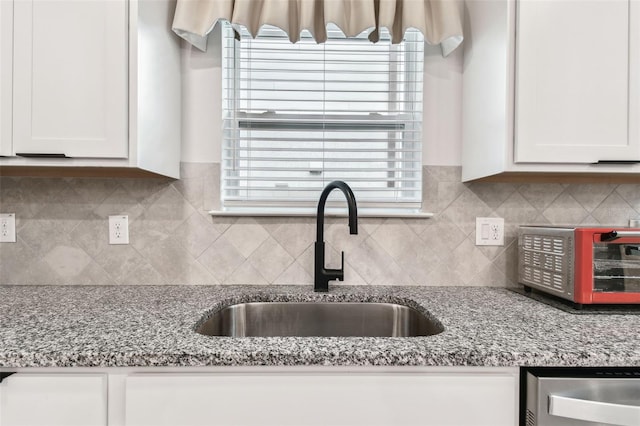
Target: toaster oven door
x=616, y=267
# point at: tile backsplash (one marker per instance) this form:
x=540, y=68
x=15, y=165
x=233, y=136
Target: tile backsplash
x=63, y=233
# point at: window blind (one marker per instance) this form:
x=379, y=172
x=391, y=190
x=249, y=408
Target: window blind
x=298, y=116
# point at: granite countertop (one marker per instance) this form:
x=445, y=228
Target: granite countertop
x=58, y=326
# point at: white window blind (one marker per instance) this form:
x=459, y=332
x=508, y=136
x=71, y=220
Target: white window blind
x=298, y=116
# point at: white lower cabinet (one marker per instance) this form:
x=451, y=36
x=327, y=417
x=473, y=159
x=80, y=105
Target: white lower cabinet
x=53, y=400
x=315, y=398
x=244, y=396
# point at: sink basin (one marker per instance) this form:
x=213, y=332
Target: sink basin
x=328, y=319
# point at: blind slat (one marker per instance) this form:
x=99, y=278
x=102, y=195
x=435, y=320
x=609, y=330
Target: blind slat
x=303, y=112
x=322, y=179
x=311, y=159
x=370, y=119
x=273, y=149
x=301, y=128
x=324, y=170
x=329, y=101
x=255, y=144
x=312, y=188
x=323, y=62
x=285, y=48
x=329, y=71
x=291, y=90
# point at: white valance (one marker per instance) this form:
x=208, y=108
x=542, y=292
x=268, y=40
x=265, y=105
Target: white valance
x=439, y=20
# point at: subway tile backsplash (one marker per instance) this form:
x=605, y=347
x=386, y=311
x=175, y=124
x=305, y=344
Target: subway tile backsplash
x=63, y=235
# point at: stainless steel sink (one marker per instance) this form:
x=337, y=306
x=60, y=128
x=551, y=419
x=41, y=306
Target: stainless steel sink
x=268, y=319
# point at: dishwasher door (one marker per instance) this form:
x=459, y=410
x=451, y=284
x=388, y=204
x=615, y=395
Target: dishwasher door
x=582, y=401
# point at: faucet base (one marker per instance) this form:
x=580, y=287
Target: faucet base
x=322, y=275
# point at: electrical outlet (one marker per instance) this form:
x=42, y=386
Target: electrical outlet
x=489, y=231
x=119, y=229
x=7, y=228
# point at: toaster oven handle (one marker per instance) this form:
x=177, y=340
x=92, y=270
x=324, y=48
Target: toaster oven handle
x=594, y=411
x=613, y=235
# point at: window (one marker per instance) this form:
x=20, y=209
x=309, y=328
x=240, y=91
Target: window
x=298, y=116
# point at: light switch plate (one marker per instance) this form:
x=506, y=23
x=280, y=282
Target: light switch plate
x=119, y=229
x=7, y=228
x=489, y=231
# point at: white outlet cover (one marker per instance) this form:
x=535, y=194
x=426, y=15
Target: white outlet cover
x=489, y=231
x=119, y=229
x=7, y=228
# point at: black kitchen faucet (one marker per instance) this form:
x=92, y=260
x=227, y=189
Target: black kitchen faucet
x=322, y=276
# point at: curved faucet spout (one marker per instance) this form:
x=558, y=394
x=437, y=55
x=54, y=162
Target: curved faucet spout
x=351, y=203
x=323, y=275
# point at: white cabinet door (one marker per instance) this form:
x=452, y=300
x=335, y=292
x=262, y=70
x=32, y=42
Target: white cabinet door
x=6, y=82
x=305, y=399
x=573, y=82
x=53, y=400
x=70, y=78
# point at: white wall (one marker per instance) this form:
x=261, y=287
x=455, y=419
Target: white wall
x=201, y=101
x=442, y=106
x=201, y=109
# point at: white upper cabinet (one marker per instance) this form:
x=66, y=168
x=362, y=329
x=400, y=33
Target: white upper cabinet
x=551, y=87
x=573, y=82
x=70, y=78
x=95, y=81
x=6, y=82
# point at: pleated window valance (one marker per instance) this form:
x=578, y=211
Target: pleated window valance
x=439, y=20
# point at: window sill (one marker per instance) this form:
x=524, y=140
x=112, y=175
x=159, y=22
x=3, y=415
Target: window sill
x=329, y=212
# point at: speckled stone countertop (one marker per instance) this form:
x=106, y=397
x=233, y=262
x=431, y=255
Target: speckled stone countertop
x=56, y=326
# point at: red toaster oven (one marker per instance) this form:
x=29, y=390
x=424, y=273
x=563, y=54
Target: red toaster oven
x=583, y=265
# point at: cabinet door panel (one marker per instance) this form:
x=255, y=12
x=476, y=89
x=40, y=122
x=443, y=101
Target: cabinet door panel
x=6, y=82
x=53, y=400
x=70, y=77
x=321, y=399
x=573, y=82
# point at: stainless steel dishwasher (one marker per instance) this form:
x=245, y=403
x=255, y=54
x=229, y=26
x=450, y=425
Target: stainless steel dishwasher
x=581, y=397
